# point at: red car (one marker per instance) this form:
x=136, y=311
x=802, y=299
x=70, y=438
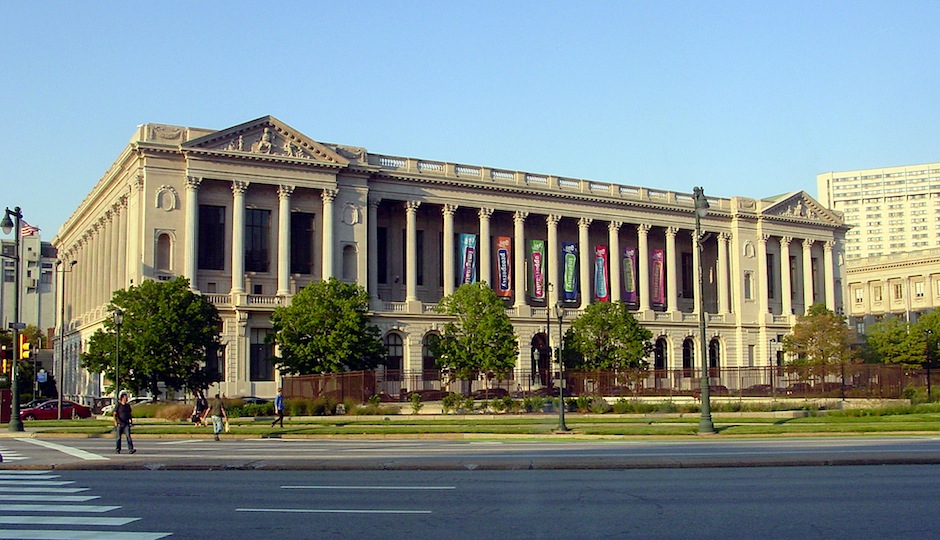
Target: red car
x=49, y=411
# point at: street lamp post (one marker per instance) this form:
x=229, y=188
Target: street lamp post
x=59, y=367
x=560, y=313
x=928, y=358
x=705, y=425
x=118, y=316
x=11, y=222
x=771, y=361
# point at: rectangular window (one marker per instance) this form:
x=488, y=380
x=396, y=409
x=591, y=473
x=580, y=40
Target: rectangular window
x=771, y=273
x=382, y=254
x=257, y=239
x=301, y=243
x=420, y=262
x=688, y=276
x=750, y=356
x=215, y=362
x=876, y=293
x=859, y=295
x=262, y=366
x=211, y=239
x=919, y=289
x=748, y=286
x=792, y=276
x=898, y=291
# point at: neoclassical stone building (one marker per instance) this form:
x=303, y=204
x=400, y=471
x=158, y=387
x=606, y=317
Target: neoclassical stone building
x=252, y=213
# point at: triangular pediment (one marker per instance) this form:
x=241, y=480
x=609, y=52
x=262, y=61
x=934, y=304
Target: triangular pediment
x=267, y=136
x=799, y=205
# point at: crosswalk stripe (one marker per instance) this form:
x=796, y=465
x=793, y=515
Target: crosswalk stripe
x=25, y=473
x=46, y=498
x=5, y=476
x=67, y=520
x=74, y=452
x=37, y=534
x=35, y=482
x=17, y=489
x=84, y=508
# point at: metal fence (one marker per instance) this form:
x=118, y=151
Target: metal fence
x=850, y=381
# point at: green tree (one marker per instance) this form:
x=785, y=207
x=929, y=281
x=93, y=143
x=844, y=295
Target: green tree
x=925, y=340
x=819, y=339
x=166, y=334
x=606, y=337
x=894, y=341
x=326, y=330
x=480, y=339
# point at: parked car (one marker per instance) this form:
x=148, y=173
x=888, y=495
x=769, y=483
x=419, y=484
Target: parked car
x=428, y=394
x=33, y=403
x=758, y=390
x=713, y=390
x=254, y=400
x=49, y=411
x=490, y=393
x=109, y=409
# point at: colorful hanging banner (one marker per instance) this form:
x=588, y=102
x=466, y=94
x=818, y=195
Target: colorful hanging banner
x=601, y=292
x=503, y=266
x=569, y=256
x=468, y=258
x=629, y=275
x=537, y=269
x=658, y=277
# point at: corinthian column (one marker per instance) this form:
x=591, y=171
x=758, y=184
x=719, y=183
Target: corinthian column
x=519, y=270
x=449, y=278
x=554, y=252
x=411, y=251
x=238, y=236
x=786, y=303
x=672, y=293
x=584, y=225
x=283, y=239
x=192, y=229
x=643, y=245
x=723, y=284
x=807, y=275
x=761, y=283
x=486, y=270
x=328, y=196
x=829, y=272
x=613, y=259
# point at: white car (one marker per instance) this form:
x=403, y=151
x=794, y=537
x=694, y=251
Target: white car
x=108, y=409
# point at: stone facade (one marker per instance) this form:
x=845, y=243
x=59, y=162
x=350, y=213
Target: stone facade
x=252, y=213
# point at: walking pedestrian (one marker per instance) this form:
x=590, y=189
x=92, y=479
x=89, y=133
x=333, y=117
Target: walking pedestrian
x=199, y=410
x=279, y=408
x=217, y=411
x=123, y=420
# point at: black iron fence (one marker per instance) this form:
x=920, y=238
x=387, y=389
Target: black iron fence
x=849, y=381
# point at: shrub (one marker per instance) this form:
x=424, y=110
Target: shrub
x=372, y=410
x=172, y=411
x=374, y=400
x=533, y=404
x=416, y=404
x=599, y=405
x=452, y=402
x=583, y=403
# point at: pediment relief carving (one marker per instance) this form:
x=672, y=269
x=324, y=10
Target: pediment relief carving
x=801, y=206
x=268, y=137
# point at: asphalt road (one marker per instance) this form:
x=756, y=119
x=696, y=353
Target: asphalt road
x=433, y=454
x=770, y=502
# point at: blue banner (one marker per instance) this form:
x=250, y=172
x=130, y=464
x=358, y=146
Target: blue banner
x=468, y=258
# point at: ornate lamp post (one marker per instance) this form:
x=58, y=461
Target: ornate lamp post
x=560, y=313
x=118, y=317
x=59, y=367
x=11, y=222
x=705, y=425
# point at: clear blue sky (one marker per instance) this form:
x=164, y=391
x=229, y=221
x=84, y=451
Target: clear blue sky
x=744, y=98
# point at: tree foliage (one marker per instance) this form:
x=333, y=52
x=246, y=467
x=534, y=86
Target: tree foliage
x=819, y=338
x=480, y=339
x=326, y=330
x=607, y=337
x=166, y=334
x=895, y=341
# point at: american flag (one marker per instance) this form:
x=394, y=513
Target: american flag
x=28, y=230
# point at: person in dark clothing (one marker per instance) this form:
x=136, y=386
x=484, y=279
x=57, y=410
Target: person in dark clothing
x=123, y=420
x=199, y=411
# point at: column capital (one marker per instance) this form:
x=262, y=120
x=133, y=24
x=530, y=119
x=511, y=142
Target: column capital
x=584, y=223
x=328, y=195
x=239, y=187
x=485, y=213
x=193, y=182
x=449, y=209
x=724, y=237
x=552, y=219
x=643, y=228
x=829, y=245
x=412, y=206
x=284, y=191
x=785, y=241
x=763, y=239
x=808, y=244
x=614, y=226
x=672, y=232
x=519, y=216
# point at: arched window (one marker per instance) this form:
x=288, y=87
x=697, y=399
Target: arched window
x=688, y=357
x=163, y=252
x=660, y=355
x=714, y=357
x=394, y=354
x=350, y=266
x=429, y=369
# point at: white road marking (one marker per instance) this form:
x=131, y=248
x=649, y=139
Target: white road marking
x=5, y=476
x=182, y=441
x=329, y=511
x=66, y=520
x=377, y=488
x=83, y=508
x=30, y=534
x=17, y=489
x=35, y=482
x=25, y=473
x=74, y=452
x=7, y=497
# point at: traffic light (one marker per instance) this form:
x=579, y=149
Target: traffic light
x=24, y=347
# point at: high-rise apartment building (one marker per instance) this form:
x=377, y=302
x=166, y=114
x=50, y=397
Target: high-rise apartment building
x=889, y=210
